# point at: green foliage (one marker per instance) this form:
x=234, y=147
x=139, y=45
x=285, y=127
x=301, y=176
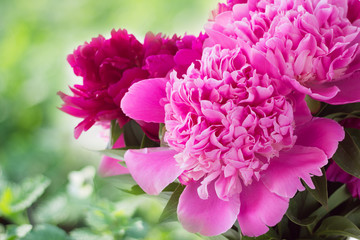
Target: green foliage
x=339, y=112
x=170, y=210
x=46, y=232
x=338, y=226
x=347, y=155
x=320, y=193
x=18, y=197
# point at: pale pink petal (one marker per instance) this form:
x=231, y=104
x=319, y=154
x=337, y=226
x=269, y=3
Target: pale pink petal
x=152, y=168
x=142, y=101
x=260, y=208
x=209, y=217
x=349, y=90
x=322, y=133
x=284, y=172
x=216, y=37
x=110, y=166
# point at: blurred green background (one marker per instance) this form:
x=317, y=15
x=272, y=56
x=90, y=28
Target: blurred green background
x=37, y=139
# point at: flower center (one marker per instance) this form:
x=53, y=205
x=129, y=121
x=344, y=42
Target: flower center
x=226, y=125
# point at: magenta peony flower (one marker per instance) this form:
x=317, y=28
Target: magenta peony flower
x=335, y=174
x=238, y=145
x=110, y=66
x=311, y=46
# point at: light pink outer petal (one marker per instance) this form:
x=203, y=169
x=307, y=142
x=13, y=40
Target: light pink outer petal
x=152, y=168
x=349, y=90
x=142, y=101
x=110, y=166
x=209, y=217
x=322, y=133
x=284, y=172
x=260, y=208
x=216, y=37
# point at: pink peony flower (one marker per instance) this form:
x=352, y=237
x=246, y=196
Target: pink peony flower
x=311, y=46
x=110, y=66
x=110, y=166
x=224, y=7
x=238, y=145
x=335, y=174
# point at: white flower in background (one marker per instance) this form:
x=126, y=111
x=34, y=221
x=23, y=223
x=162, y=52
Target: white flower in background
x=81, y=182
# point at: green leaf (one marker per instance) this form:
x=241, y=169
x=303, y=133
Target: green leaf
x=30, y=191
x=335, y=200
x=115, y=132
x=137, y=230
x=300, y=208
x=338, y=226
x=232, y=234
x=135, y=190
x=339, y=112
x=219, y=237
x=347, y=155
x=15, y=231
x=313, y=104
x=354, y=215
x=133, y=134
x=171, y=187
x=320, y=193
x=16, y=198
x=117, y=153
x=147, y=142
x=87, y=234
x=169, y=212
x=270, y=235
x=46, y=232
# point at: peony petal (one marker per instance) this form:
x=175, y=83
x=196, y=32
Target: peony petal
x=152, y=168
x=349, y=90
x=284, y=172
x=110, y=166
x=260, y=208
x=216, y=37
x=142, y=101
x=302, y=112
x=322, y=133
x=209, y=217
x=322, y=92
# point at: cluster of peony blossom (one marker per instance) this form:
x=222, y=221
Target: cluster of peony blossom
x=239, y=134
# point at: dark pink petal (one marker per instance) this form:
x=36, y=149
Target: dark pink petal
x=335, y=174
x=349, y=90
x=142, y=101
x=322, y=133
x=83, y=126
x=159, y=65
x=260, y=208
x=284, y=172
x=302, y=112
x=152, y=168
x=209, y=217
